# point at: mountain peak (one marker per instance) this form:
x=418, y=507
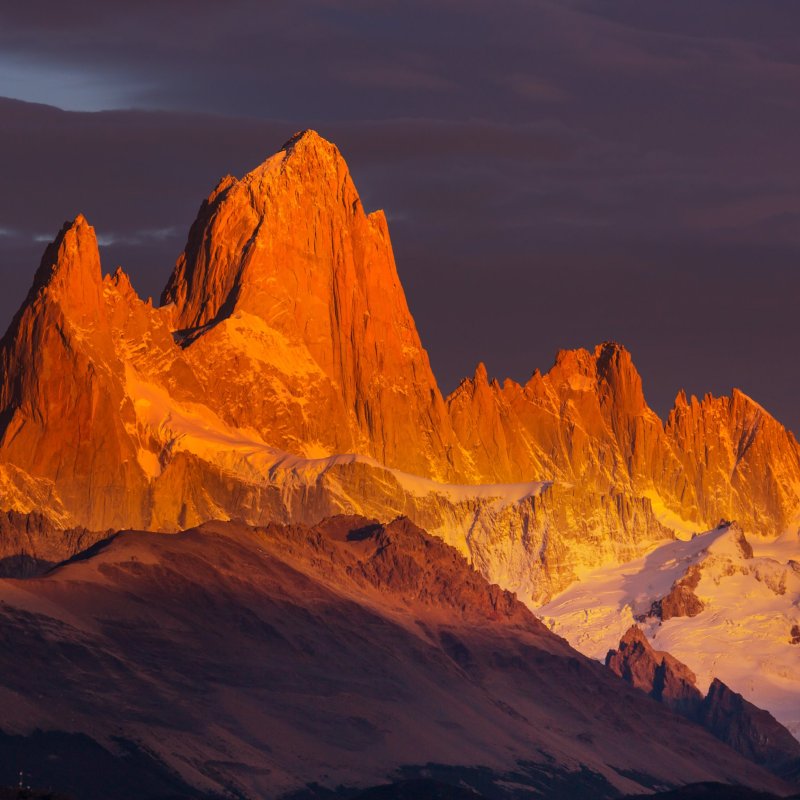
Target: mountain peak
x=70, y=269
x=289, y=255
x=481, y=373
x=609, y=349
x=633, y=636
x=681, y=400
x=738, y=397
x=658, y=674
x=608, y=370
x=307, y=139
x=71, y=257
x=298, y=201
x=611, y=356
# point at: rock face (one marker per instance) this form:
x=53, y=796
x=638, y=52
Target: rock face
x=681, y=600
x=283, y=379
x=30, y=544
x=749, y=730
x=586, y=422
x=737, y=462
x=251, y=662
x=658, y=674
x=288, y=283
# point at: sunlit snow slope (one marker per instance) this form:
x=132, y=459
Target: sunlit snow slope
x=745, y=627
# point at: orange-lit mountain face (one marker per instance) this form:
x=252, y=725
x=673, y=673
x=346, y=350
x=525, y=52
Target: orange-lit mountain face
x=283, y=379
x=290, y=309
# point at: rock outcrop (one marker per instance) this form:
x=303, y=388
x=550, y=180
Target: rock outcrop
x=658, y=674
x=681, y=601
x=749, y=730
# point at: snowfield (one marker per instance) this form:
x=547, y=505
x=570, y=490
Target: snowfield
x=743, y=636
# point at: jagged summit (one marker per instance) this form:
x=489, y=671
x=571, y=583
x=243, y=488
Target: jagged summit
x=245, y=227
x=654, y=672
x=481, y=373
x=681, y=400
x=289, y=249
x=71, y=262
x=285, y=334
x=609, y=345
x=308, y=139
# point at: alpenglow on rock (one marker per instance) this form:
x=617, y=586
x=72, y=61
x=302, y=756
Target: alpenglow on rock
x=287, y=283
x=283, y=378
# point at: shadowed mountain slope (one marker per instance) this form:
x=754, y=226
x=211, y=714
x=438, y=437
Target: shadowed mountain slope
x=257, y=660
x=749, y=730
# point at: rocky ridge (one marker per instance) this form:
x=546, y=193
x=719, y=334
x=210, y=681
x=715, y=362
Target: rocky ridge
x=749, y=730
x=283, y=379
x=253, y=662
x=658, y=674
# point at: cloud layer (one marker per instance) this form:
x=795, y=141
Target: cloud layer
x=555, y=173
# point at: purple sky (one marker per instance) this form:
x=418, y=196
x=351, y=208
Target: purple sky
x=555, y=173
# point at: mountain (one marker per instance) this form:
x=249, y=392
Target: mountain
x=255, y=662
x=749, y=730
x=286, y=282
x=732, y=603
x=282, y=379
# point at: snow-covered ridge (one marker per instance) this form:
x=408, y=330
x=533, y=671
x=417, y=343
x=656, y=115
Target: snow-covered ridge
x=743, y=635
x=195, y=428
x=503, y=493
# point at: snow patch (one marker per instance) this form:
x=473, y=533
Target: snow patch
x=252, y=336
x=195, y=428
x=683, y=528
x=741, y=637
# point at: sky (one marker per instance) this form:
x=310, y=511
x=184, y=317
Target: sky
x=555, y=174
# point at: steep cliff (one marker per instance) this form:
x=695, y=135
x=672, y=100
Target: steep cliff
x=283, y=379
x=749, y=730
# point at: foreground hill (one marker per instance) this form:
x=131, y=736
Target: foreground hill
x=255, y=661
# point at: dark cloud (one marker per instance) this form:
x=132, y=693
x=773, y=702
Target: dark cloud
x=555, y=173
